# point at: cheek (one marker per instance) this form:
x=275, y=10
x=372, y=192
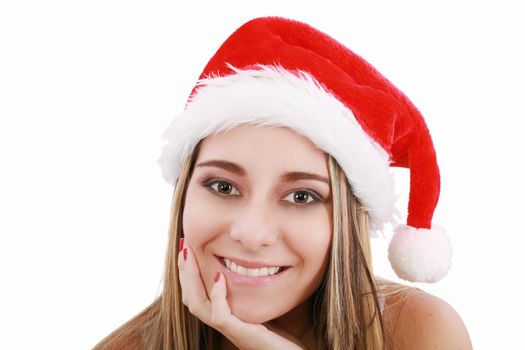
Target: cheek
x=202, y=218
x=312, y=244
x=312, y=236
x=308, y=238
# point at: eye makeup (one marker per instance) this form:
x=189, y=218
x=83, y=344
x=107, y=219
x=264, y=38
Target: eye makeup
x=215, y=184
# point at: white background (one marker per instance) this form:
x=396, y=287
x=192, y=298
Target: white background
x=87, y=87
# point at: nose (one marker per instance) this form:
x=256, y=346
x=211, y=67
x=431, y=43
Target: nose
x=254, y=228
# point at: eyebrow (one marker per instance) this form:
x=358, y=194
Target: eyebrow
x=286, y=177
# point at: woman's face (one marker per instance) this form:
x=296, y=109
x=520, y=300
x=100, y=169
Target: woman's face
x=258, y=209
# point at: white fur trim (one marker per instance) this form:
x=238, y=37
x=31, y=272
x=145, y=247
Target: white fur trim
x=274, y=96
x=420, y=255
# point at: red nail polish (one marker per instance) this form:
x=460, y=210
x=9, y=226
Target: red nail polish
x=185, y=253
x=216, y=276
x=181, y=244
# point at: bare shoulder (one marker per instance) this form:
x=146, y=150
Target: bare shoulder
x=418, y=320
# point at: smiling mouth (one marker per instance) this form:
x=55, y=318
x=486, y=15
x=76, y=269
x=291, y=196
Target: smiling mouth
x=252, y=272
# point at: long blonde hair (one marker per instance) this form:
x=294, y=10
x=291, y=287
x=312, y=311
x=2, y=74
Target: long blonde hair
x=347, y=308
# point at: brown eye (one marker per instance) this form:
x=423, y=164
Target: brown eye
x=302, y=197
x=223, y=187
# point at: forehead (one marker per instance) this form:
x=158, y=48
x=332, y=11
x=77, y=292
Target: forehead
x=263, y=146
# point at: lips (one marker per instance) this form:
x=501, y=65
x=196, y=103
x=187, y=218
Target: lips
x=251, y=269
x=254, y=272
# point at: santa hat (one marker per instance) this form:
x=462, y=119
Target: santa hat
x=276, y=71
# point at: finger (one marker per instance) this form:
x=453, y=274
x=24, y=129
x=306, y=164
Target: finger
x=180, y=256
x=222, y=317
x=220, y=309
x=193, y=291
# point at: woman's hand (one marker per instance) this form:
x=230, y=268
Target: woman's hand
x=215, y=310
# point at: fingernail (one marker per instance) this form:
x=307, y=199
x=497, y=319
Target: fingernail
x=216, y=276
x=181, y=244
x=185, y=253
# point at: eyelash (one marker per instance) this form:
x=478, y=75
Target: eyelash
x=315, y=197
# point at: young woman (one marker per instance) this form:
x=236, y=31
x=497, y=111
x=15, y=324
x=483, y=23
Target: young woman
x=280, y=163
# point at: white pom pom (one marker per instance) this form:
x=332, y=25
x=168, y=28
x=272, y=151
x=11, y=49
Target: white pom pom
x=420, y=255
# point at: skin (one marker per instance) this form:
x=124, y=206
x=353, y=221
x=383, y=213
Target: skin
x=257, y=215
x=258, y=219
x=419, y=320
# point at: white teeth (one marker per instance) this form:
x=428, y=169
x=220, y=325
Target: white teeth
x=260, y=272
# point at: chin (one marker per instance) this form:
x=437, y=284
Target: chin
x=255, y=312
